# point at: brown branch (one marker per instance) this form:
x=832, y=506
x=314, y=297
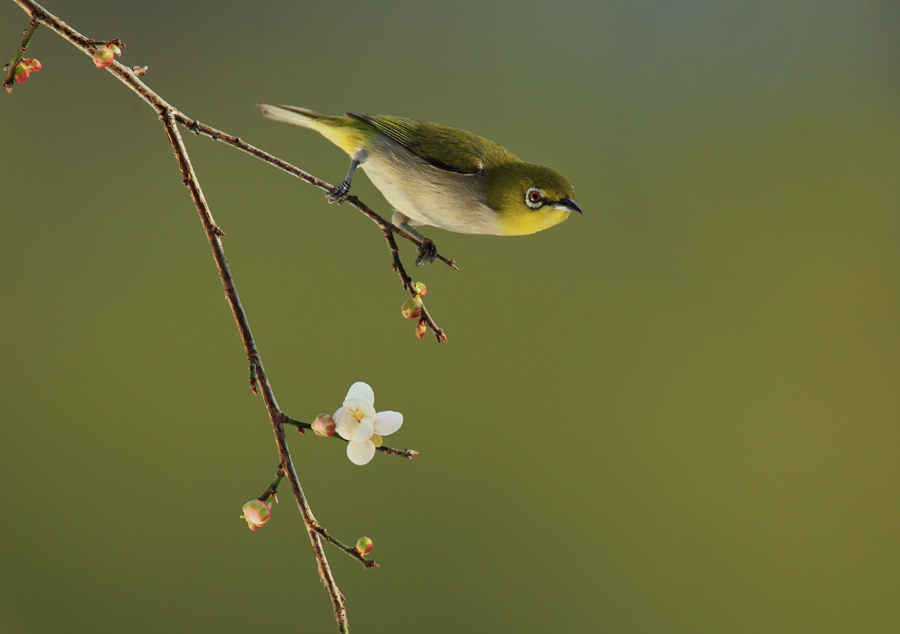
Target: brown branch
x=170, y=117
x=213, y=233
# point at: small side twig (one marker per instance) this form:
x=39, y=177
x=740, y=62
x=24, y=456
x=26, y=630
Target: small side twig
x=397, y=265
x=391, y=451
x=350, y=550
x=272, y=491
x=17, y=56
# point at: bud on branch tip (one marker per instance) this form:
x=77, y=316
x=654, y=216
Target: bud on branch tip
x=364, y=546
x=257, y=513
x=24, y=69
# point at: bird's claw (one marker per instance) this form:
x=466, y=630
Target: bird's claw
x=338, y=194
x=427, y=252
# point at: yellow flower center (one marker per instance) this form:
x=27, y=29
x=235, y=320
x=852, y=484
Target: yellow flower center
x=357, y=413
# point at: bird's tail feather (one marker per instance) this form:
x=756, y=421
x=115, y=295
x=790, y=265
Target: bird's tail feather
x=294, y=115
x=344, y=132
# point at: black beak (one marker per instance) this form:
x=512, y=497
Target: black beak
x=567, y=204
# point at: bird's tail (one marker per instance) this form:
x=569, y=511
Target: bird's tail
x=342, y=131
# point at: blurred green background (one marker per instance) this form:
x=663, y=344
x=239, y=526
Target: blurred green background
x=676, y=414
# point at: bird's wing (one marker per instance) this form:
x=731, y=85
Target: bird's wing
x=444, y=148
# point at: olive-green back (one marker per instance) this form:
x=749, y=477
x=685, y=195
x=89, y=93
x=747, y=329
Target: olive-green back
x=445, y=148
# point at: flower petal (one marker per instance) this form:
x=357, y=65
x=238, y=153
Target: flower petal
x=344, y=423
x=364, y=431
x=388, y=422
x=360, y=391
x=360, y=452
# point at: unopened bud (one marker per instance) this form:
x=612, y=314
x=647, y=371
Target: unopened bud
x=257, y=513
x=364, y=546
x=105, y=55
x=412, y=308
x=420, y=289
x=323, y=425
x=421, y=329
x=21, y=73
x=32, y=64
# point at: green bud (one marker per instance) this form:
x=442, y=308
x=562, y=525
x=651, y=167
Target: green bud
x=412, y=308
x=420, y=289
x=364, y=546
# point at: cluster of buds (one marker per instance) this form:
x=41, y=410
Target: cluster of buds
x=24, y=69
x=257, y=513
x=106, y=55
x=412, y=309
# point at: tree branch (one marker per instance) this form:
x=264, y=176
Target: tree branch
x=276, y=416
x=170, y=117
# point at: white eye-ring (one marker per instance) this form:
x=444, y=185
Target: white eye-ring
x=534, y=198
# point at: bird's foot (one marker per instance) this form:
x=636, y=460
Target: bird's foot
x=427, y=252
x=338, y=194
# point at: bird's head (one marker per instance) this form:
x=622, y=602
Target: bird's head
x=529, y=198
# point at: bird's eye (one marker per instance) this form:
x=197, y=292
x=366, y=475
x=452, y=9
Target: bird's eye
x=534, y=197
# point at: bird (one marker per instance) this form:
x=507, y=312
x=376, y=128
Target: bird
x=438, y=176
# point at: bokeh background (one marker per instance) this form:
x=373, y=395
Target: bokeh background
x=678, y=413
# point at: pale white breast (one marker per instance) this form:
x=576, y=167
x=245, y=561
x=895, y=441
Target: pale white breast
x=428, y=195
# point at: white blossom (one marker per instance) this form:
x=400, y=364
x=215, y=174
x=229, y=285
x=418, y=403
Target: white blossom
x=358, y=423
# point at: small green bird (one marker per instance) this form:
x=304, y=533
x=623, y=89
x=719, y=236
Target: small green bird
x=439, y=176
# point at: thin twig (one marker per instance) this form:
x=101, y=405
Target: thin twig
x=272, y=491
x=350, y=550
x=17, y=56
x=405, y=453
x=408, y=282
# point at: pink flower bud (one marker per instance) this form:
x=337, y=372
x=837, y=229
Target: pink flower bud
x=420, y=289
x=257, y=513
x=412, y=309
x=364, y=546
x=21, y=73
x=24, y=69
x=421, y=329
x=323, y=425
x=105, y=55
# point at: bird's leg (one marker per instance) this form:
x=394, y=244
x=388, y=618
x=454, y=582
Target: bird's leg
x=427, y=250
x=339, y=192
